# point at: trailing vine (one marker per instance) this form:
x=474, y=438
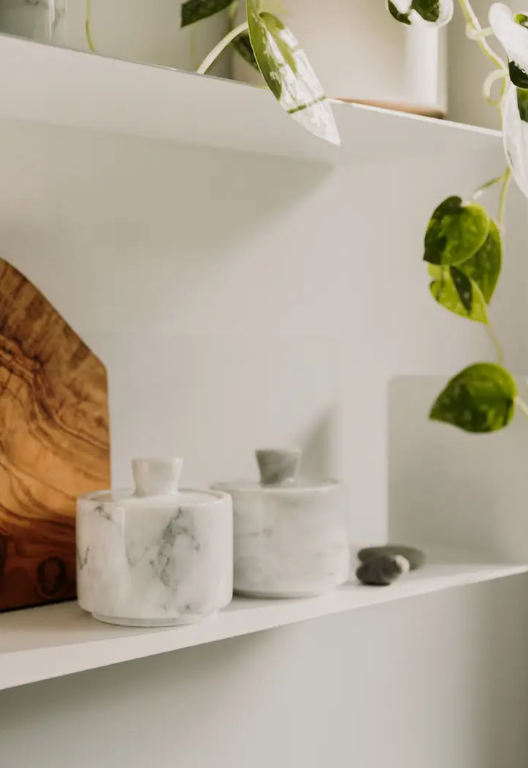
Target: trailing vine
x=269, y=45
x=463, y=245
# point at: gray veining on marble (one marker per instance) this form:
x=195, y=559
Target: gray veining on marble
x=154, y=561
x=289, y=541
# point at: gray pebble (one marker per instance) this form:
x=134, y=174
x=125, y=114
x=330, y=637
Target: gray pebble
x=383, y=570
x=415, y=556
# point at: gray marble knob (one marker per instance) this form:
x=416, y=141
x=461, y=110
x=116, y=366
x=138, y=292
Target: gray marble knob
x=383, y=570
x=278, y=467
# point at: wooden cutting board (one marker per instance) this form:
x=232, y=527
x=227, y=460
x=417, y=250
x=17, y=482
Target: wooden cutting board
x=54, y=443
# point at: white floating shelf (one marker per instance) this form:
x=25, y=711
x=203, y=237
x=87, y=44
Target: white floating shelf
x=43, y=643
x=68, y=88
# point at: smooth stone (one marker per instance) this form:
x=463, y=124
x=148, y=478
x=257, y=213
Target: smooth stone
x=415, y=556
x=382, y=570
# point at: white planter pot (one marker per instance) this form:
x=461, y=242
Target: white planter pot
x=361, y=53
x=157, y=556
x=290, y=539
x=146, y=31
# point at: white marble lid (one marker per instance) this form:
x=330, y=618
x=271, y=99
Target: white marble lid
x=157, y=480
x=279, y=469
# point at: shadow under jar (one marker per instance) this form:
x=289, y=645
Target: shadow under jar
x=158, y=556
x=290, y=538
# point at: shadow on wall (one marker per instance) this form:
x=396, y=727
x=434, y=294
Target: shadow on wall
x=74, y=192
x=453, y=491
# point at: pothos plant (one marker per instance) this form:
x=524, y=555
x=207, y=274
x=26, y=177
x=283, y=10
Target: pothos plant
x=266, y=42
x=463, y=242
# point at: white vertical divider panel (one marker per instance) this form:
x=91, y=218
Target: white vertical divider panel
x=454, y=492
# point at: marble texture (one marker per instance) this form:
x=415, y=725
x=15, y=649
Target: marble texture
x=289, y=541
x=156, y=560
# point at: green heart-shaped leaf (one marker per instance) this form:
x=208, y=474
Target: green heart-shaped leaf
x=455, y=232
x=404, y=17
x=288, y=73
x=273, y=6
x=425, y=12
x=429, y=10
x=196, y=10
x=479, y=399
x=517, y=75
x=459, y=294
x=242, y=45
x=522, y=103
x=485, y=266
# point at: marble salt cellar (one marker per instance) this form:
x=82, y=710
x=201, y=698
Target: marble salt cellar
x=290, y=537
x=156, y=556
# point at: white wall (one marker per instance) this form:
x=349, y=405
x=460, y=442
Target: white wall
x=238, y=300
x=468, y=68
x=438, y=681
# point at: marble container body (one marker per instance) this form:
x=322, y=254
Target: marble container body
x=289, y=541
x=157, y=560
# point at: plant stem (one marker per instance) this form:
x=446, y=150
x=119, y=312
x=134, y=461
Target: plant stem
x=88, y=26
x=491, y=183
x=502, y=200
x=217, y=50
x=521, y=405
x=471, y=18
x=494, y=75
x=496, y=343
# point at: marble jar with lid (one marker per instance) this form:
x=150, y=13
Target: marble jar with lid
x=156, y=556
x=290, y=537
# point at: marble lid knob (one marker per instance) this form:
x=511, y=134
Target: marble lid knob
x=157, y=477
x=278, y=467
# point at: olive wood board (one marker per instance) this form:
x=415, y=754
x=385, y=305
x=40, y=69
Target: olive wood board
x=54, y=443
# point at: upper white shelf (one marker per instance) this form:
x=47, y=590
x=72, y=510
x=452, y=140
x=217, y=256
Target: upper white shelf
x=68, y=88
x=43, y=643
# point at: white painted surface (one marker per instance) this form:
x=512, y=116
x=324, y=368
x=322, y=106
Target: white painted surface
x=53, y=641
x=63, y=87
x=240, y=300
x=437, y=681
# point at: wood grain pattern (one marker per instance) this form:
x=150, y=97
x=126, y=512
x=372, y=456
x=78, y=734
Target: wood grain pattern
x=54, y=443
